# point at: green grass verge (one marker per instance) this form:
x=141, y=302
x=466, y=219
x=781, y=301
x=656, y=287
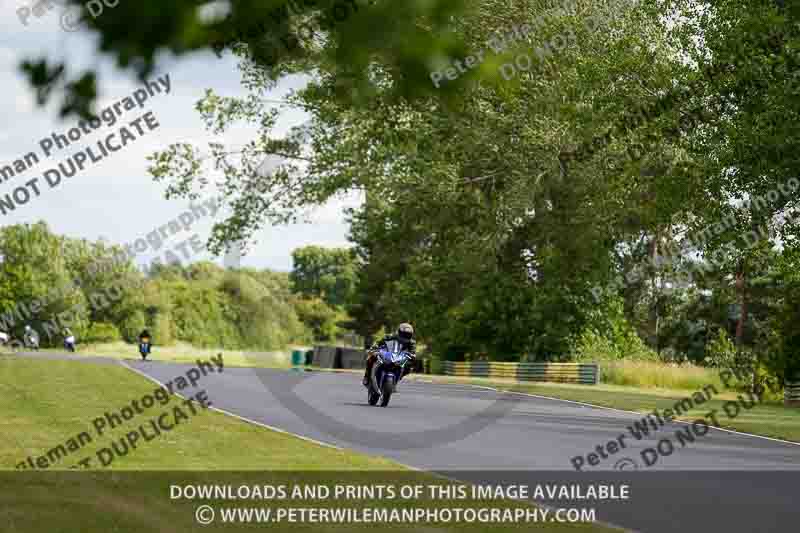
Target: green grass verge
x=45, y=403
x=648, y=374
x=186, y=353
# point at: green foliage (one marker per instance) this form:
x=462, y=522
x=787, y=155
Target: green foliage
x=132, y=326
x=721, y=351
x=163, y=329
x=327, y=273
x=35, y=280
x=100, y=332
x=479, y=225
x=742, y=361
x=201, y=304
x=610, y=337
x=200, y=314
x=351, y=37
x=654, y=374
x=265, y=313
x=321, y=318
x=468, y=230
x=785, y=360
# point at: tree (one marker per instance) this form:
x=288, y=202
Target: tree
x=490, y=220
x=481, y=193
x=35, y=281
x=327, y=273
x=280, y=36
x=321, y=318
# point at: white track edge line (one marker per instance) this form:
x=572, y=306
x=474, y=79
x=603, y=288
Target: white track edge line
x=638, y=414
x=773, y=439
x=414, y=468
x=254, y=422
x=328, y=445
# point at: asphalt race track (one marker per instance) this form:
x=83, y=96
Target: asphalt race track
x=720, y=482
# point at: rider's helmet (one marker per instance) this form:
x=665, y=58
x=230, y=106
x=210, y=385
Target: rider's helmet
x=27, y=327
x=405, y=331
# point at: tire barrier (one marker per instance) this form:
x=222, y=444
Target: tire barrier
x=337, y=357
x=792, y=392
x=583, y=373
x=353, y=358
x=324, y=356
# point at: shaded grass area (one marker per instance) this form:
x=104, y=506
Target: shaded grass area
x=44, y=403
x=769, y=418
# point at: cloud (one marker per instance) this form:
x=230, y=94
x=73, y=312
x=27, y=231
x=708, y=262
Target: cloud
x=117, y=198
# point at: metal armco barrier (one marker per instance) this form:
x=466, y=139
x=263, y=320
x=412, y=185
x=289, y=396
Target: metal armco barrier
x=584, y=373
x=792, y=393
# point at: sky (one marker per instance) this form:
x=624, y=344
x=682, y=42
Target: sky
x=116, y=199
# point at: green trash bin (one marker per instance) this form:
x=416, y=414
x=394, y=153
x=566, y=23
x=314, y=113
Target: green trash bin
x=298, y=358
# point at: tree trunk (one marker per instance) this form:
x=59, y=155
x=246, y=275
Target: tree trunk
x=741, y=282
x=656, y=293
x=741, y=287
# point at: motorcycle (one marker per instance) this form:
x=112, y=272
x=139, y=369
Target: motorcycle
x=5, y=338
x=144, y=347
x=32, y=341
x=69, y=343
x=387, y=372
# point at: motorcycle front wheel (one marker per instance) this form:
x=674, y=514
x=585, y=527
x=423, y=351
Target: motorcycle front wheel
x=388, y=389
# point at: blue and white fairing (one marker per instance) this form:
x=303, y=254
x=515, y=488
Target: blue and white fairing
x=392, y=359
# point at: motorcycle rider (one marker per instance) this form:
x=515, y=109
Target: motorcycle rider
x=144, y=344
x=69, y=339
x=404, y=335
x=31, y=337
